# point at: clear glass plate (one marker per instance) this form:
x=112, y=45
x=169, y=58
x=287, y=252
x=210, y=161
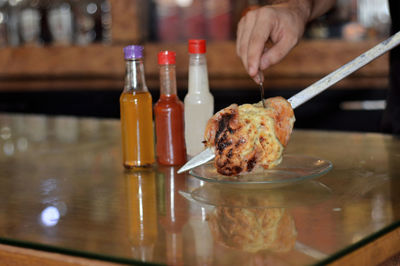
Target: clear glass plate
x=307, y=193
x=294, y=168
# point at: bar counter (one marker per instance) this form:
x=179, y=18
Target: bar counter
x=65, y=199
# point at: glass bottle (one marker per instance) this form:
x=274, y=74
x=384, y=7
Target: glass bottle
x=60, y=21
x=30, y=22
x=193, y=21
x=106, y=21
x=199, y=102
x=168, y=112
x=84, y=12
x=92, y=21
x=13, y=23
x=218, y=17
x=3, y=23
x=167, y=21
x=136, y=112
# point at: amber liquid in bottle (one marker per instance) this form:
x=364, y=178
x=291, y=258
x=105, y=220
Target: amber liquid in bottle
x=137, y=129
x=136, y=116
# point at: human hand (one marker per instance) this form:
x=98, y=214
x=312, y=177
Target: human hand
x=281, y=26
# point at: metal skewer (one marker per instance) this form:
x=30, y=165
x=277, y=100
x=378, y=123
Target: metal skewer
x=314, y=89
x=345, y=70
x=260, y=84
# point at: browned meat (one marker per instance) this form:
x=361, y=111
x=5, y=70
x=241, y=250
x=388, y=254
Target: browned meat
x=249, y=135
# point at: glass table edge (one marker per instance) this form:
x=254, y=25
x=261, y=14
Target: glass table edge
x=123, y=260
x=71, y=252
x=361, y=243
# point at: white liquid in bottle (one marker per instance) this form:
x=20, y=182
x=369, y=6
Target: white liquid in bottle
x=199, y=104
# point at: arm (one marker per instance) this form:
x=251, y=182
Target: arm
x=281, y=24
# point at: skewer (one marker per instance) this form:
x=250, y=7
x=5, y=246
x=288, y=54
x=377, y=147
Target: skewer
x=314, y=89
x=345, y=70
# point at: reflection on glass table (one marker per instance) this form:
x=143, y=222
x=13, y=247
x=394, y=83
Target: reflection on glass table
x=63, y=190
x=256, y=221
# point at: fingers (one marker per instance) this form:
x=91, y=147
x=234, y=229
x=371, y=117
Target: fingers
x=253, y=32
x=279, y=25
x=245, y=27
x=256, y=44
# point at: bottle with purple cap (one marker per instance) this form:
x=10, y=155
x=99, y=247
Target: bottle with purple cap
x=136, y=112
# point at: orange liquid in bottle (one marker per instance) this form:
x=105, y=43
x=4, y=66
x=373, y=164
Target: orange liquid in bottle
x=137, y=129
x=171, y=149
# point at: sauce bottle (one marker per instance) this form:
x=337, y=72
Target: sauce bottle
x=199, y=103
x=168, y=112
x=136, y=112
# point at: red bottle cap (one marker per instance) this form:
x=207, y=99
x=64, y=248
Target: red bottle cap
x=197, y=46
x=166, y=58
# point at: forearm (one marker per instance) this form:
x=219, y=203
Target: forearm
x=310, y=9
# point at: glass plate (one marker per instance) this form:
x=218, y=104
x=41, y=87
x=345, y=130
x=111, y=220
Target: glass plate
x=294, y=168
x=306, y=193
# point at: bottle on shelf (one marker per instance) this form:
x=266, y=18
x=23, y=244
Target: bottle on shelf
x=199, y=102
x=218, y=17
x=3, y=23
x=193, y=21
x=168, y=112
x=84, y=14
x=92, y=21
x=13, y=22
x=30, y=22
x=60, y=21
x=167, y=21
x=106, y=20
x=136, y=112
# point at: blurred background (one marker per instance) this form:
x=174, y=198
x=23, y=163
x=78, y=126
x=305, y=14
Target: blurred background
x=64, y=57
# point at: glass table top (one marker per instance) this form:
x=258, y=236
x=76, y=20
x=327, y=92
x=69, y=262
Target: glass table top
x=63, y=189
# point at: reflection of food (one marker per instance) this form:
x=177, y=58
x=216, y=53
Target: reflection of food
x=253, y=229
x=249, y=135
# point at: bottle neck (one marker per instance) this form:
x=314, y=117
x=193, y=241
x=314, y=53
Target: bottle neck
x=198, y=74
x=134, y=75
x=167, y=80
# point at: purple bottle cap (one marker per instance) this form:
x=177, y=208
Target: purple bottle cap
x=133, y=51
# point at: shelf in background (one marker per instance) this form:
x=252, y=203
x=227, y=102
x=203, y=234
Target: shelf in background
x=102, y=67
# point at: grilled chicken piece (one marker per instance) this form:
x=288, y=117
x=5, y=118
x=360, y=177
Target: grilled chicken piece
x=248, y=136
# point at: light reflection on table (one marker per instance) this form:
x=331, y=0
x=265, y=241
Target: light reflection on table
x=62, y=185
